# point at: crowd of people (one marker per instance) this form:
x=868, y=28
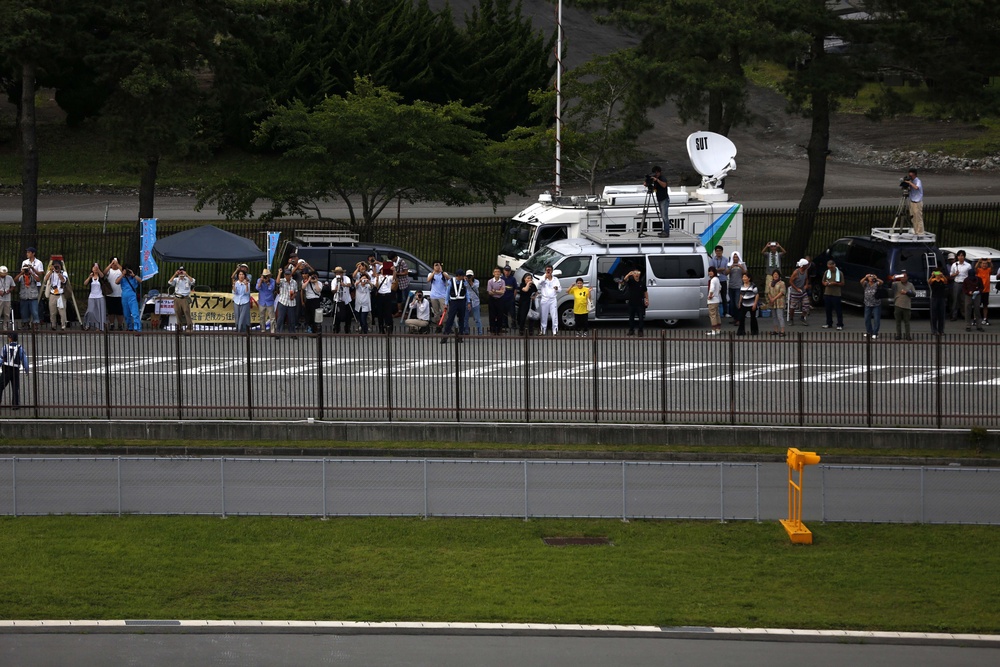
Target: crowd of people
x=112, y=295
x=961, y=288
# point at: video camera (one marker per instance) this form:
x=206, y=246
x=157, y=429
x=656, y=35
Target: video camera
x=904, y=183
x=650, y=183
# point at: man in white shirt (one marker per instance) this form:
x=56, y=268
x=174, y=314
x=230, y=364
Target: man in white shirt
x=182, y=284
x=340, y=287
x=419, y=320
x=959, y=272
x=548, y=288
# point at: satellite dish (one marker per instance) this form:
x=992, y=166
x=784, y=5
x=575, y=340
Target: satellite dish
x=713, y=156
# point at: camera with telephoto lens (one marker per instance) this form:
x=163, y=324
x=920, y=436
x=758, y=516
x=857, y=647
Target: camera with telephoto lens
x=650, y=182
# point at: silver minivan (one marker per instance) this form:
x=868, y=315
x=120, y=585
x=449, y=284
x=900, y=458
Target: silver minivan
x=675, y=271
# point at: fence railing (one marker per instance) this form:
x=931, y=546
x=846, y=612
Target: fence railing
x=483, y=488
x=807, y=379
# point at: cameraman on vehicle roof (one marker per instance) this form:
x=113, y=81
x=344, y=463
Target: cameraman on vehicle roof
x=914, y=188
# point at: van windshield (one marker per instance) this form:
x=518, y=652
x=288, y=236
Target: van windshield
x=517, y=241
x=536, y=265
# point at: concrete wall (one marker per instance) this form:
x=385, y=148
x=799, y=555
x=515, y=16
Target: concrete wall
x=267, y=438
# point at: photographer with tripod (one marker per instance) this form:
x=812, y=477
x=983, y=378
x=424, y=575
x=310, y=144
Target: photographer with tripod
x=913, y=188
x=655, y=183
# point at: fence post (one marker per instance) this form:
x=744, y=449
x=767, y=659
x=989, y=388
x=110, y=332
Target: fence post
x=388, y=375
x=34, y=364
x=319, y=374
x=177, y=355
x=801, y=383
x=107, y=374
x=663, y=377
x=596, y=383
x=722, y=492
x=732, y=374
x=938, y=395
x=624, y=495
x=525, y=465
x=458, y=377
x=527, y=377
x=868, y=379
x=323, y=466
x=222, y=483
x=249, y=378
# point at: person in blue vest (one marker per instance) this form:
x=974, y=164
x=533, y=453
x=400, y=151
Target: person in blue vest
x=12, y=359
x=458, y=306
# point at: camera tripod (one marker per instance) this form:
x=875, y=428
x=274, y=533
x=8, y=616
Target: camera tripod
x=902, y=212
x=651, y=200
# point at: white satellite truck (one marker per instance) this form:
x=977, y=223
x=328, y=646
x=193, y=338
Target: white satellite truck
x=705, y=212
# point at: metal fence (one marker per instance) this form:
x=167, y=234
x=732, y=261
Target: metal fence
x=480, y=488
x=682, y=377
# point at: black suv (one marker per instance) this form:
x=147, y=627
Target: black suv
x=326, y=250
x=885, y=254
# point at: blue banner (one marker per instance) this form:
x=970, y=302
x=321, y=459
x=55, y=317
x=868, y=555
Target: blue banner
x=272, y=246
x=147, y=265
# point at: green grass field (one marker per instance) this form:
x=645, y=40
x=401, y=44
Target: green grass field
x=889, y=577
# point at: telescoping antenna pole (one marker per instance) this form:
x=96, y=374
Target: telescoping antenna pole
x=558, y=184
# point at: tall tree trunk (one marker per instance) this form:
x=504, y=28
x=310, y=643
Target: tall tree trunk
x=147, y=187
x=817, y=151
x=29, y=157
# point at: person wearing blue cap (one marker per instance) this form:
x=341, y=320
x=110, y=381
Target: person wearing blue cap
x=12, y=359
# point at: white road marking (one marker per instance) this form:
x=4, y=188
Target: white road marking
x=931, y=374
x=842, y=373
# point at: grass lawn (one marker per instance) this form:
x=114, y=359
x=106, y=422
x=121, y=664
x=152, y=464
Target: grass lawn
x=889, y=577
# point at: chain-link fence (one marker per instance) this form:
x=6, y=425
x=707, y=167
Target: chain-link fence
x=325, y=487
x=668, y=377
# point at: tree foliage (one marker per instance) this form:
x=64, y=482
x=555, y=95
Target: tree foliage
x=369, y=147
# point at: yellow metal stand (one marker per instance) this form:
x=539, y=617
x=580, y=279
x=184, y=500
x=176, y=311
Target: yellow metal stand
x=797, y=530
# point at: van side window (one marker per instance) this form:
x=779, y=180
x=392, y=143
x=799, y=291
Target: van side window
x=677, y=266
x=838, y=251
x=547, y=235
x=575, y=266
x=611, y=270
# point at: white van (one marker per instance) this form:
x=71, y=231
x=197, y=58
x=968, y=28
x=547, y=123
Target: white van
x=675, y=271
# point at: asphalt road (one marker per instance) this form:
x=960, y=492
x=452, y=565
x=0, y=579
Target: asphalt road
x=87, y=650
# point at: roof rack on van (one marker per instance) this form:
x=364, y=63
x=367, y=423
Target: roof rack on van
x=676, y=237
x=325, y=236
x=902, y=235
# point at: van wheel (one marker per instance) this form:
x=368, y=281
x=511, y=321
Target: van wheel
x=671, y=324
x=567, y=320
x=816, y=295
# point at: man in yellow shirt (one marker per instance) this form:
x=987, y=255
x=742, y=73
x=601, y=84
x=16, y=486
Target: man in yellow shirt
x=581, y=306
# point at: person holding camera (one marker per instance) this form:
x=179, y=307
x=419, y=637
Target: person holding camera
x=735, y=269
x=97, y=312
x=972, y=288
x=287, y=298
x=312, y=292
x=873, y=305
x=902, y=293
x=28, y=293
x=362, y=296
x=265, y=300
x=6, y=289
x=915, y=193
x=959, y=271
x=56, y=280
x=438, y=280
x=656, y=181
x=340, y=286
x=182, y=284
x=113, y=300
x=241, y=301
x=527, y=292
x=637, y=297
x=774, y=252
x=548, y=287
x=419, y=320
x=130, y=298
